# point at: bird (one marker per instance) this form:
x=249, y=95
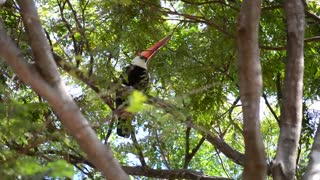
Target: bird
x=135, y=76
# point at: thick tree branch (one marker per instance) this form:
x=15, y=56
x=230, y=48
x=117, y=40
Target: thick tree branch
x=250, y=84
x=168, y=174
x=284, y=165
x=76, y=159
x=40, y=48
x=52, y=89
x=152, y=173
x=313, y=171
x=227, y=150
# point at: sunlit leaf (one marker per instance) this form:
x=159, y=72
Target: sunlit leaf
x=61, y=168
x=136, y=100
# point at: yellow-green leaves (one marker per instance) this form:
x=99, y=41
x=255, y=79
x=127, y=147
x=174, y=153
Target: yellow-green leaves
x=60, y=168
x=29, y=166
x=123, y=2
x=136, y=100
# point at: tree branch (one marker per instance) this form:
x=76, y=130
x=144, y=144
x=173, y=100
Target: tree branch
x=313, y=171
x=282, y=48
x=73, y=71
x=284, y=165
x=312, y=39
x=138, y=148
x=270, y=108
x=51, y=88
x=163, y=153
x=40, y=48
x=223, y=2
x=186, y=156
x=221, y=162
x=68, y=26
x=168, y=174
x=189, y=156
x=199, y=19
x=227, y=150
x=250, y=83
x=143, y=170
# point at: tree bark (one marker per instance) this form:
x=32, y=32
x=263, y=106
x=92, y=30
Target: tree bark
x=284, y=165
x=313, y=170
x=169, y=174
x=45, y=80
x=255, y=166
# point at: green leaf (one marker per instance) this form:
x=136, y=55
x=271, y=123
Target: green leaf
x=122, y=2
x=136, y=100
x=61, y=168
x=77, y=35
x=29, y=166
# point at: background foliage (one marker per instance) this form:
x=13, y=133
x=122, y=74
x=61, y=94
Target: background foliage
x=196, y=73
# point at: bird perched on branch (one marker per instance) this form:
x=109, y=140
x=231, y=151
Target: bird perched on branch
x=136, y=76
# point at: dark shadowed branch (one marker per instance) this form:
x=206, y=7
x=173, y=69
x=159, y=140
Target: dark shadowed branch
x=270, y=108
x=139, y=150
x=168, y=174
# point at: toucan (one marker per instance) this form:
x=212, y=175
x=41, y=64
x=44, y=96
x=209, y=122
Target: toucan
x=136, y=76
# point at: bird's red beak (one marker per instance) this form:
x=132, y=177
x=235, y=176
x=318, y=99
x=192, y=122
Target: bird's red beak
x=154, y=48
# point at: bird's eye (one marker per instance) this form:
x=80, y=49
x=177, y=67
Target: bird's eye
x=144, y=58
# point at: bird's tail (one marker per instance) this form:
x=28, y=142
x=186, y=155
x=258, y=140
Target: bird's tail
x=124, y=127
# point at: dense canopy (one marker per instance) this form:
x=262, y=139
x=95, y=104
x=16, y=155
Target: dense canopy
x=188, y=124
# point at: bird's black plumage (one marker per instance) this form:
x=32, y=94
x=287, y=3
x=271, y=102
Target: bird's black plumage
x=136, y=77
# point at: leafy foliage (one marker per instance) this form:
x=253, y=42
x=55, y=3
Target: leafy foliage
x=196, y=74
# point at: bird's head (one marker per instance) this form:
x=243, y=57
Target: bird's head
x=140, y=61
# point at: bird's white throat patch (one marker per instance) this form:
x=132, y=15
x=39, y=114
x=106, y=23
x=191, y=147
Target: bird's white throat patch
x=138, y=61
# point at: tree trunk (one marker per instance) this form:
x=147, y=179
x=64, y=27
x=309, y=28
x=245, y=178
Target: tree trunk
x=284, y=165
x=313, y=170
x=255, y=166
